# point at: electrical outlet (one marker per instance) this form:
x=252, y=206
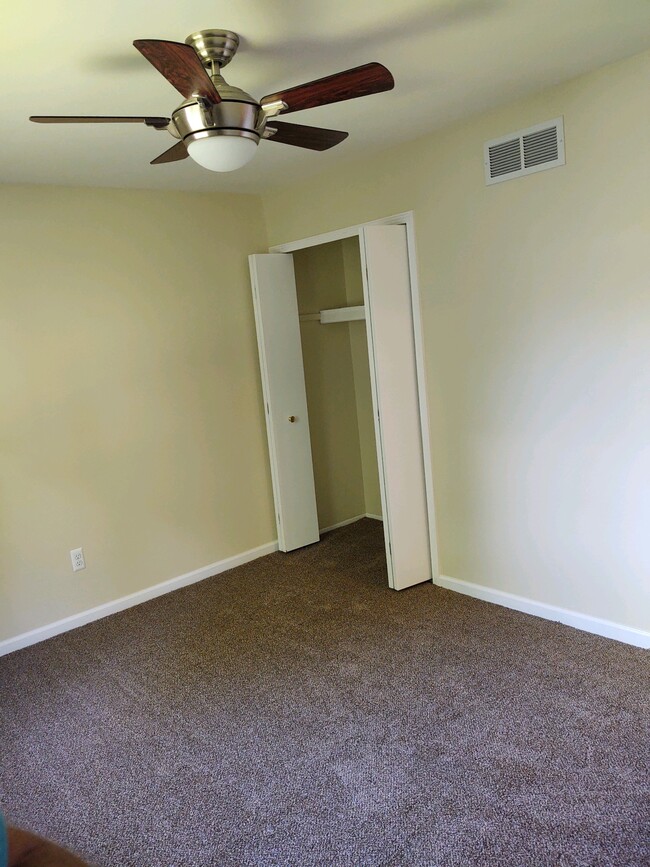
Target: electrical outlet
x=77, y=557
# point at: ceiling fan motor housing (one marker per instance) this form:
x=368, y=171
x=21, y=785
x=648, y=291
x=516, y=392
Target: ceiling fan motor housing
x=237, y=114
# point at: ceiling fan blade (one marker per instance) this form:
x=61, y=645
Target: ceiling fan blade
x=172, y=154
x=157, y=122
x=181, y=66
x=313, y=137
x=360, y=81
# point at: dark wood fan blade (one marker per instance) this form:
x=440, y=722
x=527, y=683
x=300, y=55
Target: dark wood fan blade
x=360, y=81
x=313, y=137
x=181, y=66
x=175, y=152
x=158, y=122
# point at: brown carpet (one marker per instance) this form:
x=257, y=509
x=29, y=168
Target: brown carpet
x=295, y=711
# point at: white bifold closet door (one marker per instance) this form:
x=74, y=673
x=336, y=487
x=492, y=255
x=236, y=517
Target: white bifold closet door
x=285, y=399
x=393, y=374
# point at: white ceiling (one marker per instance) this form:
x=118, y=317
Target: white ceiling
x=450, y=59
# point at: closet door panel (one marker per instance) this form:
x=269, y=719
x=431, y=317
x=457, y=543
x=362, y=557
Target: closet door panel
x=283, y=383
x=396, y=404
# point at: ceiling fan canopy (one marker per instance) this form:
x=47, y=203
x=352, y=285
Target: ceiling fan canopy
x=220, y=125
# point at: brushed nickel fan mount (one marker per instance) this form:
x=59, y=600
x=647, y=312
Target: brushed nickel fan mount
x=214, y=47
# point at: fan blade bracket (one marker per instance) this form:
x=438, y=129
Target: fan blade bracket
x=273, y=107
x=206, y=108
x=157, y=122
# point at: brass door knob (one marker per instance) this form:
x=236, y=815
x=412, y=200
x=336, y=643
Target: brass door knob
x=292, y=418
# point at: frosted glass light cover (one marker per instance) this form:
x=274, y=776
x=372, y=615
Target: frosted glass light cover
x=222, y=153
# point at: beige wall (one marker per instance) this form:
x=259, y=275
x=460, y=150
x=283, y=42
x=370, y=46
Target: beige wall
x=536, y=311
x=131, y=415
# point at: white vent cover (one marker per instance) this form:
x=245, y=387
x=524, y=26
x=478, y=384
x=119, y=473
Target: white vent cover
x=522, y=153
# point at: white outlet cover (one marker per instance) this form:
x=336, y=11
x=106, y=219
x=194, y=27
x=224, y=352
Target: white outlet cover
x=77, y=558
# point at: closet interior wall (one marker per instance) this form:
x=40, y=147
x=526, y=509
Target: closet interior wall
x=337, y=382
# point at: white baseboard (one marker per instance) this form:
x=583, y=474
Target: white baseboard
x=606, y=628
x=341, y=524
x=348, y=521
x=59, y=626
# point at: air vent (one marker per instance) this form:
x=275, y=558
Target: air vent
x=522, y=153
x=505, y=158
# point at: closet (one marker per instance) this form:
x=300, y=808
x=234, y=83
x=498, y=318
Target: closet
x=337, y=382
x=336, y=341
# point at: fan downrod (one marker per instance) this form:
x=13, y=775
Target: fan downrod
x=216, y=47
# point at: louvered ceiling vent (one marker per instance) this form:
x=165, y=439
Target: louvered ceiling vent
x=522, y=153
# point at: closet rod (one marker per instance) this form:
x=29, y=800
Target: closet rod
x=336, y=314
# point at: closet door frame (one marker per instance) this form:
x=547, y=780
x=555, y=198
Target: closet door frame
x=405, y=219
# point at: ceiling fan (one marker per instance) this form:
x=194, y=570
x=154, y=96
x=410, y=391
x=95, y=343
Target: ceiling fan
x=219, y=125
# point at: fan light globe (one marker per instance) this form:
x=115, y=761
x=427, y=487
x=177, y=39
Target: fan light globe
x=222, y=153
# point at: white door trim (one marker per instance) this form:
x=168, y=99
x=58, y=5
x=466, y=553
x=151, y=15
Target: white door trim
x=405, y=219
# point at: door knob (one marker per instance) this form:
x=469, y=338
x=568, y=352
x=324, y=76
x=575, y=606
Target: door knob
x=292, y=418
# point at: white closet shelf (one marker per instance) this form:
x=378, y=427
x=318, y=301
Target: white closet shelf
x=336, y=314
